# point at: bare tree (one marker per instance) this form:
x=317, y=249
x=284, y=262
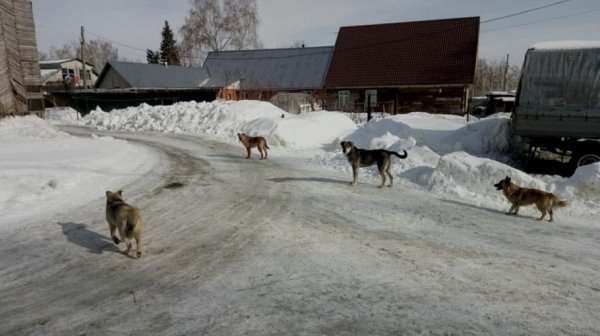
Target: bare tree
x=215, y=25
x=97, y=52
x=489, y=76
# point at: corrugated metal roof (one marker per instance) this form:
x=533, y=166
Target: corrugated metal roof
x=433, y=52
x=279, y=69
x=142, y=75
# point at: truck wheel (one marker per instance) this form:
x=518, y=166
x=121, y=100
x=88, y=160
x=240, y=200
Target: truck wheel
x=584, y=158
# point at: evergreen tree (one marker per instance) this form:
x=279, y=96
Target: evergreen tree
x=152, y=57
x=168, y=47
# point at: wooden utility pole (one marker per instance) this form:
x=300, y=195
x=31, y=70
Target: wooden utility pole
x=505, y=72
x=83, y=71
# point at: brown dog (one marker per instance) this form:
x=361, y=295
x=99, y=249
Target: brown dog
x=250, y=142
x=518, y=196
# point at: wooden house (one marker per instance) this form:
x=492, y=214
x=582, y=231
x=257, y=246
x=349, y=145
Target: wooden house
x=20, y=89
x=401, y=67
x=67, y=73
x=262, y=74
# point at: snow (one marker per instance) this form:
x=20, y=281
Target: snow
x=447, y=155
x=565, y=45
x=44, y=170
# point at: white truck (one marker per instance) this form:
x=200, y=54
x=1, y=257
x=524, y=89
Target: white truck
x=557, y=107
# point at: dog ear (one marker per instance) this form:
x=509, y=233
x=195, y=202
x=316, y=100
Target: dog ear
x=120, y=193
x=507, y=179
x=108, y=192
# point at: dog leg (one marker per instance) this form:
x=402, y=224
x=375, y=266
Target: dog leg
x=387, y=170
x=138, y=244
x=512, y=207
x=248, y=150
x=551, y=215
x=113, y=234
x=354, y=175
x=262, y=155
x=265, y=153
x=128, y=243
x=381, y=168
x=543, y=215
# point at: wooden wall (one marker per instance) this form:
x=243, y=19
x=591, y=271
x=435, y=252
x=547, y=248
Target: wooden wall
x=20, y=83
x=403, y=100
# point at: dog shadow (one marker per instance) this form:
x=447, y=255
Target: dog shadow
x=308, y=179
x=229, y=156
x=77, y=233
x=496, y=211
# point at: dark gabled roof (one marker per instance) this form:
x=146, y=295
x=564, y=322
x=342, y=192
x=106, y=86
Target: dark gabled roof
x=142, y=75
x=433, y=52
x=278, y=69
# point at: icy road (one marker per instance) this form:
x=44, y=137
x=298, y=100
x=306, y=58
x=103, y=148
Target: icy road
x=249, y=247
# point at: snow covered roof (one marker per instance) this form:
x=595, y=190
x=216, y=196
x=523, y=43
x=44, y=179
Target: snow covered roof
x=565, y=45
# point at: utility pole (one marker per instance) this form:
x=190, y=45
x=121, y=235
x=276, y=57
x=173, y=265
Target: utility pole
x=83, y=71
x=505, y=72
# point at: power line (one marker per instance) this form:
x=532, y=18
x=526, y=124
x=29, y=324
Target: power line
x=545, y=20
x=117, y=43
x=525, y=11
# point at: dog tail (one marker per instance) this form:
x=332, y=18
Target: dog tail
x=129, y=228
x=267, y=146
x=132, y=222
x=560, y=203
x=398, y=155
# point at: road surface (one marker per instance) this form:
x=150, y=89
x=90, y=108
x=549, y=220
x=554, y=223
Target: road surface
x=249, y=247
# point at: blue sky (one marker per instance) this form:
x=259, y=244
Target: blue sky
x=132, y=24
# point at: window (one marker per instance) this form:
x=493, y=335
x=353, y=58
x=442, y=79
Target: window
x=344, y=100
x=87, y=72
x=372, y=94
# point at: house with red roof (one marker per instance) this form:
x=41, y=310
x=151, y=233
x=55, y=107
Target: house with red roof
x=402, y=67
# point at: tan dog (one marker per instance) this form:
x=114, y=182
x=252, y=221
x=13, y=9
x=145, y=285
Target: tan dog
x=126, y=218
x=518, y=196
x=250, y=142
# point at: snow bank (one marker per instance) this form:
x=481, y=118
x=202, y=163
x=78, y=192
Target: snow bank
x=443, y=134
x=44, y=170
x=28, y=127
x=61, y=115
x=447, y=155
x=224, y=119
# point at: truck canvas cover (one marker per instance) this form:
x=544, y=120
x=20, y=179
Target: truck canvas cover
x=559, y=91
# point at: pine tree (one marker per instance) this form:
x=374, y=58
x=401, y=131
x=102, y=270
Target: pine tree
x=168, y=47
x=152, y=57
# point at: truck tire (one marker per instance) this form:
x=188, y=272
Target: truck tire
x=584, y=157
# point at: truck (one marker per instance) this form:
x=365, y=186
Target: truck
x=557, y=105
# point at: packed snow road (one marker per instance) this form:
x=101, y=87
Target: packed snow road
x=235, y=246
